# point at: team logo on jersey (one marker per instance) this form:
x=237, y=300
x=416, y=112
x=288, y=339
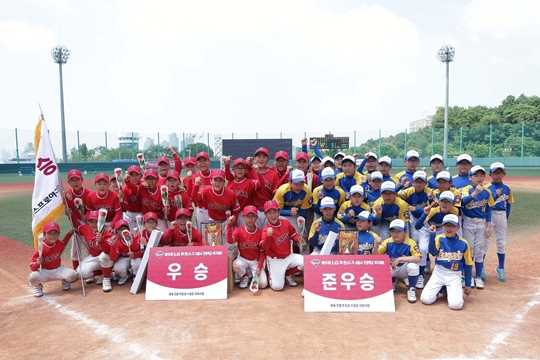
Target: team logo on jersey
x=449, y=255
x=315, y=262
x=280, y=239
x=159, y=254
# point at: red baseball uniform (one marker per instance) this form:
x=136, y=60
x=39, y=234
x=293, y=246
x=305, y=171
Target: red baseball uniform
x=244, y=189
x=266, y=192
x=278, y=245
x=150, y=199
x=216, y=203
x=282, y=175
x=109, y=201
x=121, y=249
x=206, y=180
x=175, y=237
x=94, y=247
x=248, y=243
x=177, y=167
x=52, y=254
x=71, y=195
x=186, y=203
x=131, y=201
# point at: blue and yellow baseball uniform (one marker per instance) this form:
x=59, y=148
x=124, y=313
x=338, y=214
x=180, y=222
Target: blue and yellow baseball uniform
x=317, y=238
x=398, y=210
x=345, y=182
x=460, y=181
x=394, y=250
x=435, y=217
x=287, y=199
x=478, y=207
x=335, y=193
x=343, y=213
x=417, y=199
x=366, y=242
x=456, y=192
x=400, y=175
x=372, y=196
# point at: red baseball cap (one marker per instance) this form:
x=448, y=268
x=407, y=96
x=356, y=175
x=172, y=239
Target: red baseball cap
x=190, y=160
x=281, y=154
x=240, y=161
x=163, y=159
x=51, y=225
x=113, y=178
x=92, y=215
x=151, y=173
x=263, y=150
x=120, y=223
x=101, y=176
x=150, y=215
x=202, y=154
x=74, y=173
x=134, y=168
x=271, y=204
x=218, y=174
x=302, y=155
x=250, y=209
x=173, y=174
x=182, y=211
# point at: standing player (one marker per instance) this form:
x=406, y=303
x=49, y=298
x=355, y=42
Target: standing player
x=48, y=266
x=321, y=228
x=275, y=242
x=385, y=166
x=173, y=184
x=248, y=240
x=327, y=189
x=205, y=180
x=294, y=198
x=164, y=166
x=404, y=256
x=370, y=162
x=350, y=209
x=103, y=198
x=271, y=181
x=477, y=203
x=436, y=164
x=131, y=206
x=500, y=213
x=190, y=165
x=404, y=178
x=349, y=176
x=452, y=262
x=150, y=196
x=464, y=165
x=302, y=163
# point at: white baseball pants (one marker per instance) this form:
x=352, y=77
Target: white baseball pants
x=405, y=270
x=440, y=277
x=131, y=218
x=499, y=227
x=241, y=266
x=474, y=231
x=46, y=275
x=423, y=243
x=262, y=221
x=278, y=267
x=94, y=263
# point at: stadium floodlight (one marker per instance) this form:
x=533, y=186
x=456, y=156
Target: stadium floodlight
x=446, y=55
x=60, y=55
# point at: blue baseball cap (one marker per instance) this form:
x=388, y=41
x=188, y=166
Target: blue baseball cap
x=476, y=169
x=398, y=224
x=388, y=186
x=445, y=175
x=328, y=173
x=364, y=215
x=327, y=202
x=496, y=165
x=375, y=175
x=451, y=218
x=386, y=160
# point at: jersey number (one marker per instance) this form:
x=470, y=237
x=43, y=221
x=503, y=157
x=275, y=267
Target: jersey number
x=454, y=267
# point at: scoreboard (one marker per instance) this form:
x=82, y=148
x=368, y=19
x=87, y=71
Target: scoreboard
x=332, y=143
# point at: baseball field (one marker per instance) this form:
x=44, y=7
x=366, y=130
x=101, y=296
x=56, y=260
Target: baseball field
x=501, y=321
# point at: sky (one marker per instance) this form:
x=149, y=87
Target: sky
x=265, y=67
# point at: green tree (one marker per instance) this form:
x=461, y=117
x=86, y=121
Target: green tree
x=194, y=149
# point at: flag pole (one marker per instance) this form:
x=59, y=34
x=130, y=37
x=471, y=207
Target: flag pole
x=73, y=230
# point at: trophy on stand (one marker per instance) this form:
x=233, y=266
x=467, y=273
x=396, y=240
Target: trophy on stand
x=348, y=242
x=212, y=233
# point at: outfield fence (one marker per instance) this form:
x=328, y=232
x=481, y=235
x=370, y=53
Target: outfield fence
x=517, y=144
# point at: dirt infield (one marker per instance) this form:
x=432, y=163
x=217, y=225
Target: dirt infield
x=501, y=321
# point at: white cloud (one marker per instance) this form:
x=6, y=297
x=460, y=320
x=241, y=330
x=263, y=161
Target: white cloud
x=19, y=35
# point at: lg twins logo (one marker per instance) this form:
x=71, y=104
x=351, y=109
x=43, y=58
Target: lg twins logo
x=159, y=254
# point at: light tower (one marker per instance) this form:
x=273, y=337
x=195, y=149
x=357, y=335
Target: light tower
x=60, y=55
x=446, y=55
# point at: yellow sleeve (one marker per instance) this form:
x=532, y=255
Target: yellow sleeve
x=312, y=228
x=511, y=196
x=397, y=176
x=365, y=207
x=341, y=226
x=358, y=178
x=404, y=194
x=306, y=204
x=341, y=196
x=279, y=195
x=415, y=251
x=342, y=208
x=315, y=195
x=379, y=201
x=465, y=191
x=467, y=255
x=383, y=247
x=403, y=210
x=491, y=202
x=457, y=196
x=438, y=241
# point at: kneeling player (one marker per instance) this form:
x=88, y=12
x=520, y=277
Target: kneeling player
x=404, y=256
x=276, y=237
x=126, y=256
x=323, y=226
x=366, y=237
x=48, y=266
x=452, y=259
x=248, y=239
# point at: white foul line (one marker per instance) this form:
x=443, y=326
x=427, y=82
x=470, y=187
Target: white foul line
x=501, y=337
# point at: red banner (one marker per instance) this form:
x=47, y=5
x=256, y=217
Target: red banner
x=348, y=283
x=186, y=273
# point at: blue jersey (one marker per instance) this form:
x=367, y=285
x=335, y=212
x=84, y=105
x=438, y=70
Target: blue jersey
x=335, y=193
x=398, y=210
x=287, y=199
x=372, y=196
x=453, y=254
x=366, y=241
x=460, y=181
x=417, y=199
x=502, y=201
x=478, y=207
x=435, y=217
x=318, y=238
x=403, y=175
x=343, y=213
x=394, y=250
x=432, y=181
x=346, y=182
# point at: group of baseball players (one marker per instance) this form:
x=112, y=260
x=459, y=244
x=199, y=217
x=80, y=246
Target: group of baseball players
x=265, y=213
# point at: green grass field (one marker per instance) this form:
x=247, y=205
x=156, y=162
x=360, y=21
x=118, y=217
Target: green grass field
x=17, y=215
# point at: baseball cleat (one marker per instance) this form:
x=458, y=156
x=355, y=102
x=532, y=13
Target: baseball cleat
x=501, y=274
x=90, y=280
x=483, y=276
x=236, y=279
x=107, y=285
x=394, y=284
x=289, y=281
x=244, y=282
x=420, y=282
x=472, y=282
x=406, y=281
x=411, y=295
x=122, y=281
x=479, y=283
x=100, y=280
x=66, y=285
x=38, y=290
x=462, y=282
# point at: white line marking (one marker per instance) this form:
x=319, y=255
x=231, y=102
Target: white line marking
x=500, y=338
